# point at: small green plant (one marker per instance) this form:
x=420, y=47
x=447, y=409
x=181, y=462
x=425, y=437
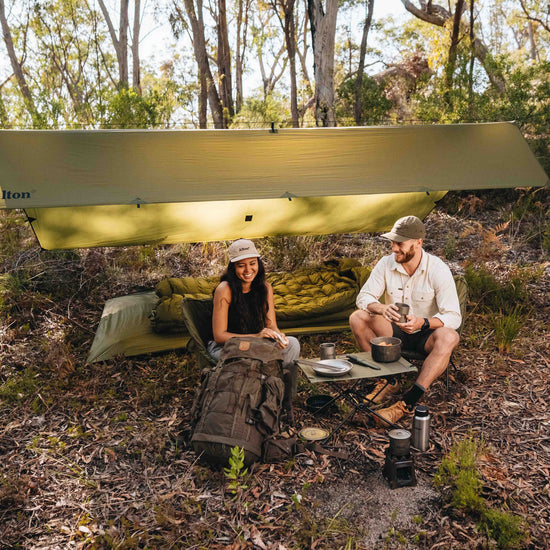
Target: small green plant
x=507, y=328
x=450, y=247
x=236, y=472
x=459, y=478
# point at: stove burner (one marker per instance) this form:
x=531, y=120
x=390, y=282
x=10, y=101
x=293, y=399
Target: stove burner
x=399, y=467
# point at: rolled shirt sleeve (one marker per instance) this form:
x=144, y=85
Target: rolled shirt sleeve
x=374, y=287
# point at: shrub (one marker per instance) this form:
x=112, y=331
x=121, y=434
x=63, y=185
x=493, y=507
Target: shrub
x=460, y=479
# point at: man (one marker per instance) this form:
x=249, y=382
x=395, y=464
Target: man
x=410, y=275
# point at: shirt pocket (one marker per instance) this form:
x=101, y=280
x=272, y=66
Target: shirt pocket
x=394, y=295
x=423, y=295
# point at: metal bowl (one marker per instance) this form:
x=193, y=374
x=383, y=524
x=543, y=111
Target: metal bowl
x=385, y=349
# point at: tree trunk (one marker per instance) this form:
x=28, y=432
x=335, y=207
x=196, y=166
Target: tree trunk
x=16, y=66
x=224, y=64
x=119, y=43
x=289, y=30
x=199, y=48
x=437, y=15
x=323, y=30
x=136, y=71
x=242, y=26
x=453, y=51
x=290, y=40
x=358, y=107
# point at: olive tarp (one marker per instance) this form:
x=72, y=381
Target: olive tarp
x=125, y=187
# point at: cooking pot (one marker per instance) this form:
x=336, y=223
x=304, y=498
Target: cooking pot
x=385, y=349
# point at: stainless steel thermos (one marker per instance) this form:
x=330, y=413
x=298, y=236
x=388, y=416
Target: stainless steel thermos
x=421, y=428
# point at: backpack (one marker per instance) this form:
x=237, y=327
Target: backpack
x=239, y=401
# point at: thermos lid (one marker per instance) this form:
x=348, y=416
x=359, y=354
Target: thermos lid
x=421, y=410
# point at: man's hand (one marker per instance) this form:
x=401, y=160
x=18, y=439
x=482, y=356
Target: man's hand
x=390, y=313
x=413, y=324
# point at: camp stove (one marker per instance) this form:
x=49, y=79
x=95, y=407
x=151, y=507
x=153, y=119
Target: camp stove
x=399, y=467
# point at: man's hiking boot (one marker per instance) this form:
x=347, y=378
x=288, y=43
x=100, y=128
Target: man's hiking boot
x=382, y=391
x=392, y=414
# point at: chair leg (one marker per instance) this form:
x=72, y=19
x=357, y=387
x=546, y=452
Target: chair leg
x=451, y=364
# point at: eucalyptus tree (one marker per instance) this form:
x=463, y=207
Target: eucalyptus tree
x=322, y=19
x=121, y=41
x=191, y=19
x=358, y=107
x=444, y=17
x=17, y=61
x=285, y=13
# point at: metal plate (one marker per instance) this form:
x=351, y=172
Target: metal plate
x=313, y=434
x=332, y=367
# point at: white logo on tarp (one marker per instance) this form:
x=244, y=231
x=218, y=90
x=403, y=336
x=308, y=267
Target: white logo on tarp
x=15, y=194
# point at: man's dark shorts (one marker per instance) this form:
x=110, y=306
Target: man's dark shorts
x=412, y=342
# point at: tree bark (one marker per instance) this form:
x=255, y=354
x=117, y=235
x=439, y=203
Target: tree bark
x=120, y=43
x=16, y=66
x=453, y=52
x=242, y=30
x=289, y=31
x=205, y=74
x=437, y=15
x=136, y=70
x=358, y=107
x=224, y=63
x=323, y=30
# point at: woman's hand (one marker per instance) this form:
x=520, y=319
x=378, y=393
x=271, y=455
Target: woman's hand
x=274, y=335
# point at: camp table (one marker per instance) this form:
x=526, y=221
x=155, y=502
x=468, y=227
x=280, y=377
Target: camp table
x=353, y=393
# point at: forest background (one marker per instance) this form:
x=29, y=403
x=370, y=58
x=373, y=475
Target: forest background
x=242, y=63
x=97, y=456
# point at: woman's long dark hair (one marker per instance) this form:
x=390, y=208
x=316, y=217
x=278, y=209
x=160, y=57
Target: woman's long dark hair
x=253, y=314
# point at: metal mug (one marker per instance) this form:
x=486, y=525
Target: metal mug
x=328, y=351
x=403, y=310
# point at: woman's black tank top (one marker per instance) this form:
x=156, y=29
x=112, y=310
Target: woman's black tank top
x=243, y=326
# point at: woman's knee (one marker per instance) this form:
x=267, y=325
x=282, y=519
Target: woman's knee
x=292, y=352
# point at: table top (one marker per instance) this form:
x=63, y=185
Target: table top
x=359, y=371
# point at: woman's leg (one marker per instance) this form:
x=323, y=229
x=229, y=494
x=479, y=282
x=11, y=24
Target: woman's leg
x=214, y=350
x=290, y=355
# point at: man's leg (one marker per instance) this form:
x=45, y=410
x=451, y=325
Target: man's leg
x=439, y=346
x=365, y=326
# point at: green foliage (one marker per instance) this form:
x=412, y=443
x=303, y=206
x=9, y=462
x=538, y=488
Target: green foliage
x=459, y=477
x=508, y=530
x=19, y=386
x=128, y=109
x=236, y=472
x=493, y=295
x=507, y=327
x=374, y=103
x=258, y=112
x=504, y=301
x=458, y=471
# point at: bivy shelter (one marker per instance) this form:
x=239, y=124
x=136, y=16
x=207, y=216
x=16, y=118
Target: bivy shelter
x=94, y=188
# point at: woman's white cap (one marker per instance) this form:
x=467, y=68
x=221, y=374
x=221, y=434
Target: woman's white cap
x=241, y=249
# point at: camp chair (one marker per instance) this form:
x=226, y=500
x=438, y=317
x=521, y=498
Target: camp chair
x=462, y=291
x=197, y=314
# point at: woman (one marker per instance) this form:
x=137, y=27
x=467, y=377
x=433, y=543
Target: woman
x=243, y=306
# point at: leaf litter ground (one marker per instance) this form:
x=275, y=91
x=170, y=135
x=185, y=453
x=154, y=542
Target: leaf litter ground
x=97, y=456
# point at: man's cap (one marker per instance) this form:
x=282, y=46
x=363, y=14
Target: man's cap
x=241, y=249
x=409, y=227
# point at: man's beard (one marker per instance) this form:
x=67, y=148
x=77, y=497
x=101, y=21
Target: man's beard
x=406, y=256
